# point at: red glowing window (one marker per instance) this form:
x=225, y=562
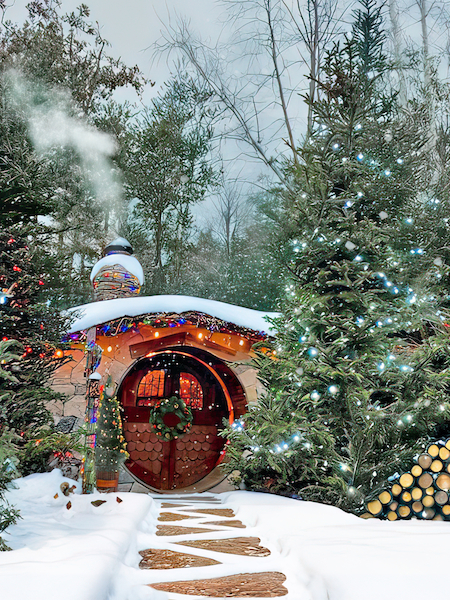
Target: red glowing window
x=191, y=391
x=151, y=387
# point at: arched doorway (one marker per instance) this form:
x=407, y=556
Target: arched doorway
x=207, y=386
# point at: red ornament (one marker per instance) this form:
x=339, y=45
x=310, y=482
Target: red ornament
x=4, y=339
x=16, y=268
x=11, y=241
x=41, y=282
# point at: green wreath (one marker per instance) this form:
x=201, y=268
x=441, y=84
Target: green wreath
x=171, y=418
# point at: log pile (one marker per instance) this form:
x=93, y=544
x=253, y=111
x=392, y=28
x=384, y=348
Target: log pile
x=421, y=493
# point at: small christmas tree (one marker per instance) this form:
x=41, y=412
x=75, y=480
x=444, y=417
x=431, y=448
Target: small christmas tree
x=110, y=447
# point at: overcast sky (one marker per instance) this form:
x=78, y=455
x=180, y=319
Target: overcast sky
x=132, y=26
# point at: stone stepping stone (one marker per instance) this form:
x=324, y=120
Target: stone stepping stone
x=169, y=559
x=179, y=530
x=218, y=512
x=170, y=505
x=195, y=499
x=170, y=516
x=243, y=546
x=245, y=585
x=230, y=523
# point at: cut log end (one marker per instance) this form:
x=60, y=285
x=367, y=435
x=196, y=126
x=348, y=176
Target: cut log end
x=406, y=497
x=433, y=450
x=385, y=497
x=416, y=493
x=425, y=460
x=416, y=471
x=443, y=482
x=403, y=511
x=375, y=507
x=406, y=480
x=425, y=481
x=396, y=489
x=436, y=466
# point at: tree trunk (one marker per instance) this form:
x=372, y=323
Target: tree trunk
x=314, y=68
x=425, y=41
x=397, y=50
x=275, y=59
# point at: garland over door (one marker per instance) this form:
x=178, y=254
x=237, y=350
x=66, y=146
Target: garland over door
x=175, y=464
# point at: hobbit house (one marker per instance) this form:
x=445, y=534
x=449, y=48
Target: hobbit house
x=156, y=348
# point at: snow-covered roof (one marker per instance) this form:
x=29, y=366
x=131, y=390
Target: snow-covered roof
x=130, y=263
x=97, y=313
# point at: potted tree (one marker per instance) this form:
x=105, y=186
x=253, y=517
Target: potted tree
x=110, y=447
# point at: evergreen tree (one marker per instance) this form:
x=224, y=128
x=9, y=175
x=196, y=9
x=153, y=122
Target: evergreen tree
x=57, y=63
x=167, y=172
x=8, y=450
x=359, y=376
x=65, y=50
x=244, y=275
x=110, y=446
x=34, y=331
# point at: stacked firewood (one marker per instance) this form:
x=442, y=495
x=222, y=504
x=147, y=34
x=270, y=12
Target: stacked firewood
x=422, y=493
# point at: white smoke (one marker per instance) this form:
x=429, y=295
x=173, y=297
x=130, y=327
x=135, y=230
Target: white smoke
x=54, y=124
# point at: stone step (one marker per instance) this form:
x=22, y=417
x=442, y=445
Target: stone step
x=218, y=512
x=169, y=559
x=170, y=516
x=245, y=585
x=179, y=497
x=179, y=530
x=229, y=523
x=242, y=546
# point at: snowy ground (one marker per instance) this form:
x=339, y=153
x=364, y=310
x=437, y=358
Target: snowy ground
x=91, y=553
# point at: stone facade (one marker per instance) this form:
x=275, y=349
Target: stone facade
x=117, y=359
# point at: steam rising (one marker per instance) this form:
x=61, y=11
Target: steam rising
x=52, y=124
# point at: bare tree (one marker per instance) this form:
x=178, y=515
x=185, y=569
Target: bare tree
x=424, y=9
x=231, y=214
x=316, y=24
x=424, y=20
x=427, y=44
x=281, y=43
x=396, y=40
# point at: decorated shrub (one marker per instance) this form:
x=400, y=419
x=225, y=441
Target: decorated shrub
x=110, y=447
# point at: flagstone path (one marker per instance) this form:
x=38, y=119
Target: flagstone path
x=214, y=543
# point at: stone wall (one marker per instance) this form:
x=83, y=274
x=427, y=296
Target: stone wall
x=69, y=379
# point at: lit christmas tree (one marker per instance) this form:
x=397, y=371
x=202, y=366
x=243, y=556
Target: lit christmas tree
x=110, y=446
x=34, y=328
x=358, y=378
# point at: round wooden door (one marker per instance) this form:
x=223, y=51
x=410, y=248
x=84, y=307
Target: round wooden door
x=175, y=464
